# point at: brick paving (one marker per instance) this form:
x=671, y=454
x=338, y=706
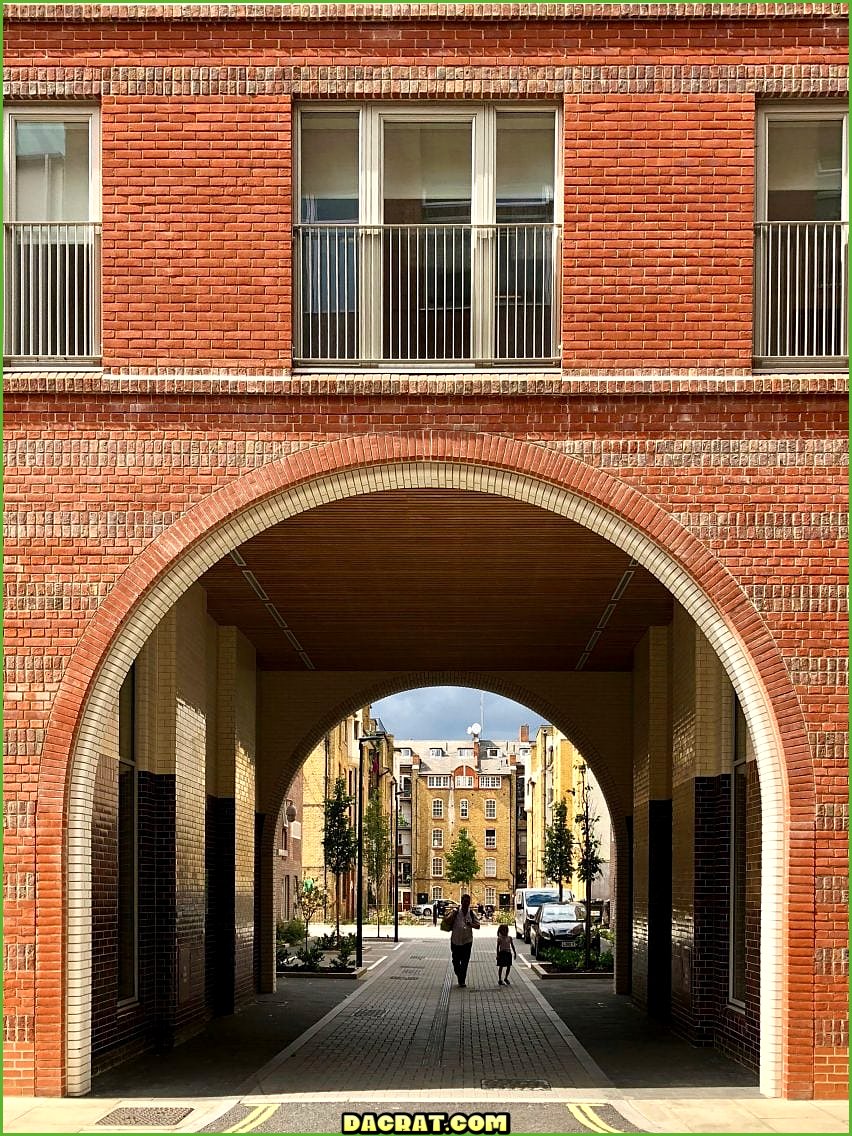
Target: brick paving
x=411, y=1027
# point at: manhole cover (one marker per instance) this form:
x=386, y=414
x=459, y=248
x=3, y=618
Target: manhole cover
x=133, y=1117
x=404, y=977
x=369, y=1012
x=515, y=1083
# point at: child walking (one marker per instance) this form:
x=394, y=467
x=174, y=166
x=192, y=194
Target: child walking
x=505, y=953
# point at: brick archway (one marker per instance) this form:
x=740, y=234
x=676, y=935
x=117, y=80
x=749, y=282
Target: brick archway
x=370, y=463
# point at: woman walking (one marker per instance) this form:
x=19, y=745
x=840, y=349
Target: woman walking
x=461, y=939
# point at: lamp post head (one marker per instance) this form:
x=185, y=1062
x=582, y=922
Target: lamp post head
x=291, y=812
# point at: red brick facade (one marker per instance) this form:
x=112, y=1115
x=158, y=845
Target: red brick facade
x=113, y=474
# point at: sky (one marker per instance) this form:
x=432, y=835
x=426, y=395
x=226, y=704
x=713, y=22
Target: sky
x=445, y=712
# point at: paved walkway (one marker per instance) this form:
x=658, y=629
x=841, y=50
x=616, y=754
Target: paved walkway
x=406, y=1039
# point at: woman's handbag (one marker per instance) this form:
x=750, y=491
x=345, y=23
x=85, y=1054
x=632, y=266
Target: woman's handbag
x=448, y=921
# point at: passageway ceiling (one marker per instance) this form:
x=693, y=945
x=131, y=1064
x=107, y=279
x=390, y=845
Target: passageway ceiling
x=435, y=580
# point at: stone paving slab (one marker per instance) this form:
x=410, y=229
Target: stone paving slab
x=412, y=1027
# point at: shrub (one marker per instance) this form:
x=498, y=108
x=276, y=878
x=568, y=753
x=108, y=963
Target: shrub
x=343, y=959
x=290, y=932
x=310, y=957
x=574, y=959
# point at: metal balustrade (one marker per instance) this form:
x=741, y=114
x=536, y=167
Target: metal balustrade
x=800, y=291
x=426, y=293
x=52, y=291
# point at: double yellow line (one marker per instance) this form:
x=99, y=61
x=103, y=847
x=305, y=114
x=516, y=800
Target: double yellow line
x=589, y=1118
x=258, y=1115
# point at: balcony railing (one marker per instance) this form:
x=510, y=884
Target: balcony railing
x=800, y=292
x=427, y=293
x=52, y=291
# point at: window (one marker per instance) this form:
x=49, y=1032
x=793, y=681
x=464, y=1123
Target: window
x=489, y=782
x=427, y=234
x=405, y=752
x=801, y=235
x=127, y=839
x=491, y=838
x=441, y=781
x=465, y=751
x=437, y=892
x=464, y=809
x=490, y=866
x=437, y=751
x=464, y=782
x=737, y=947
x=437, y=865
x=437, y=838
x=437, y=808
x=490, y=895
x=491, y=809
x=52, y=235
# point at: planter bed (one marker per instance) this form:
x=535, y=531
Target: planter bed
x=323, y=972
x=543, y=970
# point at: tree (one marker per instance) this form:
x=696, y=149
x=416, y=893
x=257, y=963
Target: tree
x=462, y=864
x=376, y=848
x=339, y=841
x=559, y=847
x=311, y=898
x=589, y=862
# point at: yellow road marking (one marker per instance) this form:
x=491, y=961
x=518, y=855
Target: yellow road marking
x=258, y=1115
x=574, y=1109
x=592, y=1120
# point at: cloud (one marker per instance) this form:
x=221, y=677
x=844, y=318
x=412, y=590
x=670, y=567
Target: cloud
x=445, y=712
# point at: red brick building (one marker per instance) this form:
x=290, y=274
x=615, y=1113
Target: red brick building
x=356, y=348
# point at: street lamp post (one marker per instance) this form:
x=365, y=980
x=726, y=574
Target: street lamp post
x=359, y=898
x=395, y=832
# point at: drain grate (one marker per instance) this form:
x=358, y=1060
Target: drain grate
x=404, y=977
x=515, y=1083
x=134, y=1117
x=369, y=1012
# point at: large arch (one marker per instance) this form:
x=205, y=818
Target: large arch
x=477, y=463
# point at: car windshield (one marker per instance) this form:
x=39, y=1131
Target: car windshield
x=538, y=898
x=570, y=913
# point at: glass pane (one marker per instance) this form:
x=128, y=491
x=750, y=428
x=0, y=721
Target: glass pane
x=804, y=173
x=427, y=173
x=329, y=167
x=51, y=171
x=524, y=174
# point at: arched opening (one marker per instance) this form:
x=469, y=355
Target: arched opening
x=599, y=505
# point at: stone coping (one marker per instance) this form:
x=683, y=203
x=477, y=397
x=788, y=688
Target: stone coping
x=323, y=972
x=442, y=12
x=540, y=970
x=285, y=384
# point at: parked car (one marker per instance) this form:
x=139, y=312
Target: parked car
x=426, y=909
x=527, y=902
x=557, y=925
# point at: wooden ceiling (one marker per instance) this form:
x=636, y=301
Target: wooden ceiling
x=435, y=580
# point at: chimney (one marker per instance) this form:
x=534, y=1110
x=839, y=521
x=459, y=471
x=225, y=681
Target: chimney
x=524, y=734
x=476, y=752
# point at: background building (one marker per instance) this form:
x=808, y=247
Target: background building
x=462, y=785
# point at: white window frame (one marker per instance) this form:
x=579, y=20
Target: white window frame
x=45, y=112
x=793, y=112
x=437, y=892
x=437, y=808
x=483, y=211
x=489, y=781
x=464, y=809
x=491, y=840
x=491, y=808
x=437, y=838
x=464, y=782
x=438, y=781
x=437, y=865
x=490, y=895
x=490, y=867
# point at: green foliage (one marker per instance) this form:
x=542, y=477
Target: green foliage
x=376, y=842
x=571, y=959
x=343, y=959
x=290, y=932
x=311, y=898
x=339, y=841
x=559, y=848
x=310, y=957
x=462, y=864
